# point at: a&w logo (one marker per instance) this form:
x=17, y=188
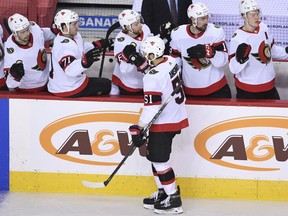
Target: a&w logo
x=88, y=138
x=262, y=148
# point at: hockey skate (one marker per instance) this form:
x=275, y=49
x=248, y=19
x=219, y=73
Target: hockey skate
x=171, y=205
x=156, y=197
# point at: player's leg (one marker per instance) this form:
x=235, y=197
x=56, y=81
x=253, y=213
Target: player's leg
x=157, y=196
x=158, y=152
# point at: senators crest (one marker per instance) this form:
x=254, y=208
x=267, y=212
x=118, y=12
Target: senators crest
x=41, y=60
x=264, y=53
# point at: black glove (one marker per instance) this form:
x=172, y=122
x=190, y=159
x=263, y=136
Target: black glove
x=131, y=56
x=17, y=70
x=128, y=51
x=201, y=51
x=165, y=30
x=90, y=57
x=103, y=43
x=242, y=53
x=137, y=135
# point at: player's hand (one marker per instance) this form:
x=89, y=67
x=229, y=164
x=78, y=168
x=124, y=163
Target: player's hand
x=103, y=43
x=17, y=70
x=90, y=57
x=127, y=52
x=54, y=29
x=131, y=56
x=201, y=51
x=137, y=135
x=242, y=53
x=165, y=30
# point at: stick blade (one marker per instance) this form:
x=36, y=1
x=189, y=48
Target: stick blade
x=93, y=184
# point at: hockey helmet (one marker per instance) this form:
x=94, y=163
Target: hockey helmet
x=127, y=17
x=152, y=45
x=197, y=10
x=247, y=6
x=18, y=22
x=65, y=16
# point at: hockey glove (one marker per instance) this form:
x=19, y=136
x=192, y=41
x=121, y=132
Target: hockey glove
x=90, y=57
x=54, y=29
x=201, y=51
x=128, y=51
x=165, y=30
x=17, y=70
x=131, y=56
x=242, y=53
x=137, y=135
x=103, y=43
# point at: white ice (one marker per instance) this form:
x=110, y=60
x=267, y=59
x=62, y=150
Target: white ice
x=48, y=204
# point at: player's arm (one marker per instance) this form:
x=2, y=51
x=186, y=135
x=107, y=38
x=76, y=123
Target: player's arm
x=130, y=55
x=220, y=57
x=278, y=52
x=124, y=66
x=175, y=50
x=73, y=66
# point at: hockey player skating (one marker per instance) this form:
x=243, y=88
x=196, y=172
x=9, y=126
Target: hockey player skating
x=25, y=60
x=250, y=54
x=2, y=76
x=159, y=82
x=128, y=74
x=71, y=57
x=202, y=49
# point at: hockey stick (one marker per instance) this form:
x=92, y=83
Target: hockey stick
x=5, y=23
x=132, y=149
x=110, y=30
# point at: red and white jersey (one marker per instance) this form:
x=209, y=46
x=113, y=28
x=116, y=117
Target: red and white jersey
x=2, y=76
x=34, y=59
x=67, y=75
x=257, y=74
x=126, y=74
x=201, y=76
x=159, y=83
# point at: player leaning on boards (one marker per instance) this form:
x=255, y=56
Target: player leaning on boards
x=25, y=60
x=202, y=49
x=3, y=85
x=158, y=83
x=71, y=56
x=250, y=54
x=128, y=73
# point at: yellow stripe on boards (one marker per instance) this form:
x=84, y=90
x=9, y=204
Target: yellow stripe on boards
x=145, y=185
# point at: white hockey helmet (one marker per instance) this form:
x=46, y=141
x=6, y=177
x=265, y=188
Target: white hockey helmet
x=197, y=10
x=127, y=17
x=247, y=6
x=65, y=16
x=152, y=45
x=17, y=22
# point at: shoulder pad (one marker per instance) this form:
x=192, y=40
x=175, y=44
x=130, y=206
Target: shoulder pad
x=153, y=71
x=121, y=39
x=65, y=41
x=234, y=35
